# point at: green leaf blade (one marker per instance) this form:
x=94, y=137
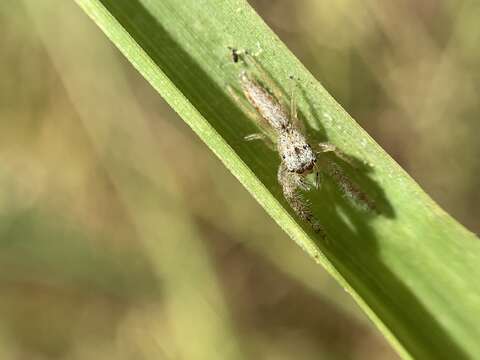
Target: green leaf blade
x=412, y=268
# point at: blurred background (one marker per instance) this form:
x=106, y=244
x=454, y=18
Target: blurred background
x=111, y=248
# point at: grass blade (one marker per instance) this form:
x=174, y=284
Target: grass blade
x=412, y=268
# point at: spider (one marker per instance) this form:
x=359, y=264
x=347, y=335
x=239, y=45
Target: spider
x=284, y=132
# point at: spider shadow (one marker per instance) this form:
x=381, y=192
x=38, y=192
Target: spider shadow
x=355, y=168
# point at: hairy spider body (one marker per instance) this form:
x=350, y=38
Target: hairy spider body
x=296, y=153
x=267, y=106
x=298, y=159
x=297, y=156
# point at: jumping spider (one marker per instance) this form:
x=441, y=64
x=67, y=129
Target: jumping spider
x=284, y=132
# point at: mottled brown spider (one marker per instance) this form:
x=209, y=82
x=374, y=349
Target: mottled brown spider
x=283, y=131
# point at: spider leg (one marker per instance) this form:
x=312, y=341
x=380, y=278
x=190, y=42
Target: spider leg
x=317, y=177
x=291, y=182
x=261, y=136
x=349, y=189
x=325, y=147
